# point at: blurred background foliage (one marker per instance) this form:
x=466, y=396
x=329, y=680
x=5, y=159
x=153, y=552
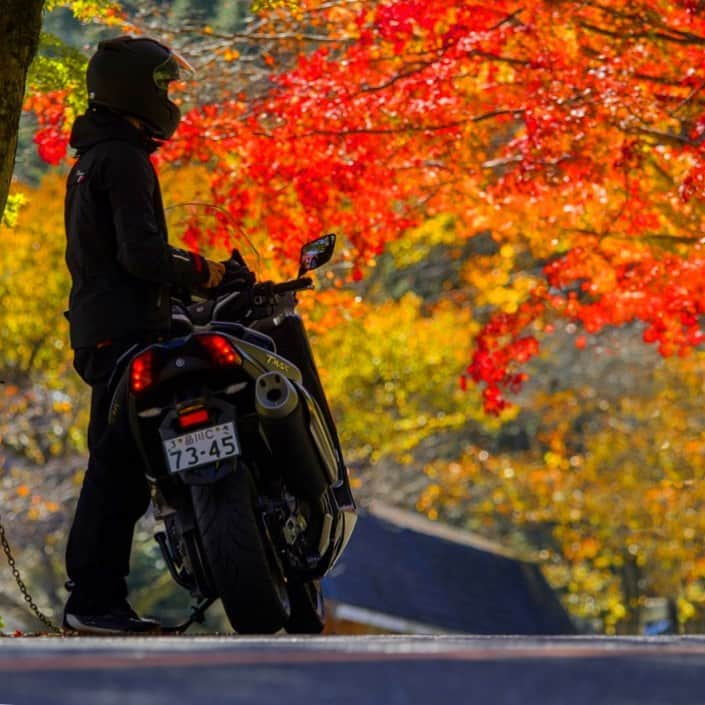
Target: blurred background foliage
x=598, y=474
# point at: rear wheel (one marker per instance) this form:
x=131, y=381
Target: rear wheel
x=308, y=613
x=245, y=571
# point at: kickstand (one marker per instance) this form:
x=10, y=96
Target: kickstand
x=197, y=615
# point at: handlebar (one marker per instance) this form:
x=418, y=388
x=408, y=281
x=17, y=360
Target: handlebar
x=239, y=277
x=238, y=297
x=293, y=285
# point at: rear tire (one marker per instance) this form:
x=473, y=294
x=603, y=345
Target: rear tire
x=241, y=560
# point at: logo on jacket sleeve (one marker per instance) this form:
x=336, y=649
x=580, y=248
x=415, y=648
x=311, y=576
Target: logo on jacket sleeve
x=180, y=254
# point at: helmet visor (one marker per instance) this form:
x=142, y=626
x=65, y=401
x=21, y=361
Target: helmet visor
x=175, y=68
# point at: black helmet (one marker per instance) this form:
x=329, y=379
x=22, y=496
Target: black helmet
x=131, y=75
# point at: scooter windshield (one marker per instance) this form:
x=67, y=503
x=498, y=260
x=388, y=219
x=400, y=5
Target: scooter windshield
x=210, y=230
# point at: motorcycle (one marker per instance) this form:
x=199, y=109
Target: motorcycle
x=241, y=453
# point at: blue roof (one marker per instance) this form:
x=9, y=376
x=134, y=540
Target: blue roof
x=446, y=584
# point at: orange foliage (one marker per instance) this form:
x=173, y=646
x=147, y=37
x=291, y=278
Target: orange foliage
x=573, y=131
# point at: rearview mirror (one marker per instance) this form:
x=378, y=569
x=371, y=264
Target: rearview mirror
x=316, y=253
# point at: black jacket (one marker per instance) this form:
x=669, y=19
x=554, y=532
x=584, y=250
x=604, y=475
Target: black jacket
x=121, y=265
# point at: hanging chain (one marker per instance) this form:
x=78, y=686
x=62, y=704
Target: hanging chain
x=20, y=583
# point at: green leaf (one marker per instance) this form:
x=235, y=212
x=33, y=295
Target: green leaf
x=58, y=66
x=84, y=10
x=12, y=209
x=259, y=5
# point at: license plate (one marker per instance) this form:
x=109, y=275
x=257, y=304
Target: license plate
x=207, y=445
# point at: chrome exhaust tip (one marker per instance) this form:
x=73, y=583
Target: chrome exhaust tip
x=275, y=396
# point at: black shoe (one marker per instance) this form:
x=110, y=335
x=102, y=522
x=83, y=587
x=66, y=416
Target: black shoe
x=119, y=620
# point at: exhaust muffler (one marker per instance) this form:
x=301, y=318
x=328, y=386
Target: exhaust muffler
x=285, y=426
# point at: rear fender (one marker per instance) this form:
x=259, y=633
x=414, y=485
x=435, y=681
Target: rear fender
x=208, y=474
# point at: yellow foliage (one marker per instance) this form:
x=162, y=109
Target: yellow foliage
x=624, y=493
x=496, y=283
x=12, y=207
x=34, y=286
x=417, y=244
x=391, y=372
x=104, y=11
x=260, y=5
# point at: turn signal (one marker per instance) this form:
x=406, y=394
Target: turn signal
x=221, y=351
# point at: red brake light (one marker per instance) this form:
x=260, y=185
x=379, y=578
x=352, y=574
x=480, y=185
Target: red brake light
x=193, y=418
x=220, y=350
x=141, y=372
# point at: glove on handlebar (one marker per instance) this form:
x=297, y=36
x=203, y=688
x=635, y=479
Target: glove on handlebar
x=237, y=277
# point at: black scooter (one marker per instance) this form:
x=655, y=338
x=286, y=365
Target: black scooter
x=241, y=453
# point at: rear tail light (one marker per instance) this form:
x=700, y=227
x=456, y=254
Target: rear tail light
x=141, y=372
x=193, y=417
x=220, y=350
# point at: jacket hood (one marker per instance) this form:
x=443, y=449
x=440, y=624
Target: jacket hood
x=99, y=125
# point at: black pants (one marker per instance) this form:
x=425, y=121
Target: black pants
x=113, y=497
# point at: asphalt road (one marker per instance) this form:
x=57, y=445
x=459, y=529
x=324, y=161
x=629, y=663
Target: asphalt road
x=391, y=670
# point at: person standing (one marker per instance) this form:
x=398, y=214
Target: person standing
x=122, y=270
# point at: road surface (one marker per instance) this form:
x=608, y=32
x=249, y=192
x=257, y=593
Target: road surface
x=390, y=670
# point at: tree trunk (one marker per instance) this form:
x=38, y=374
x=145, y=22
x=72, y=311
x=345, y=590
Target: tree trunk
x=20, y=23
x=632, y=589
